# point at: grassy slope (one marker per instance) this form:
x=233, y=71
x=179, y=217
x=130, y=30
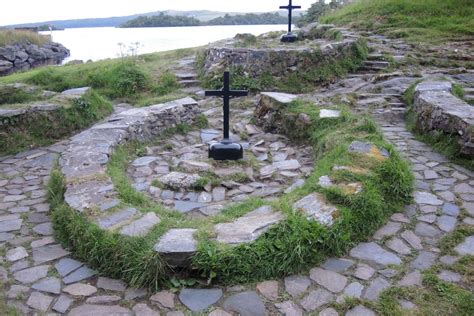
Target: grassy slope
x=8, y=37
x=417, y=20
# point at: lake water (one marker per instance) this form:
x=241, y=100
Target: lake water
x=109, y=42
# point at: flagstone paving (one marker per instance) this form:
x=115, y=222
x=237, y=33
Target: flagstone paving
x=43, y=278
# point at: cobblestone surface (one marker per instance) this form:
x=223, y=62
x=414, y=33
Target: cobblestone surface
x=43, y=278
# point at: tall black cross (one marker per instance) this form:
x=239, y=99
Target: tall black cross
x=290, y=7
x=226, y=94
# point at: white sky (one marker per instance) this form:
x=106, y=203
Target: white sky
x=25, y=11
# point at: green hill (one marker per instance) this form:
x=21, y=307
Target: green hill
x=416, y=20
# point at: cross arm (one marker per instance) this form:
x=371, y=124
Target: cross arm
x=239, y=93
x=214, y=93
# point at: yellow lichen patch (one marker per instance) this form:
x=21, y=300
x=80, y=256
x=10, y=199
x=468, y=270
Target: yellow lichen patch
x=376, y=153
x=354, y=170
x=351, y=188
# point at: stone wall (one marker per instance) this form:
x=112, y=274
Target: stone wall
x=437, y=109
x=84, y=162
x=278, y=62
x=25, y=56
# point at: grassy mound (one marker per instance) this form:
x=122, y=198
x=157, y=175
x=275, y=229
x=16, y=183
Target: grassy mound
x=45, y=127
x=8, y=37
x=416, y=20
x=286, y=248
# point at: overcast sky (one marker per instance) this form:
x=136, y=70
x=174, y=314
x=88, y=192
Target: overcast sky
x=24, y=11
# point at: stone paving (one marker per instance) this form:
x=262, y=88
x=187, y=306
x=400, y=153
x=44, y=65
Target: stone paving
x=41, y=277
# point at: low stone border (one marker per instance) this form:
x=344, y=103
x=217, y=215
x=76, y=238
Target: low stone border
x=436, y=108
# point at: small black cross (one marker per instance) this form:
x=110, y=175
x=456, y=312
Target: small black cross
x=226, y=94
x=290, y=7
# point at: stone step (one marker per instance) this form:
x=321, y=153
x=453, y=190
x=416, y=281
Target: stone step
x=116, y=219
x=141, y=226
x=177, y=246
x=380, y=95
x=248, y=228
x=189, y=83
x=395, y=105
x=186, y=75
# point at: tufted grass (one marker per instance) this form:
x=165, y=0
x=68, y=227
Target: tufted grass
x=44, y=128
x=414, y=20
x=9, y=37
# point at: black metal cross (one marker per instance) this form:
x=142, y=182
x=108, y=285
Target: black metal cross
x=290, y=7
x=226, y=94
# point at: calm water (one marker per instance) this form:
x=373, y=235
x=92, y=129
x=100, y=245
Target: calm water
x=109, y=42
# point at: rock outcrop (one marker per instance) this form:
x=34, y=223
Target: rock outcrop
x=437, y=109
x=24, y=56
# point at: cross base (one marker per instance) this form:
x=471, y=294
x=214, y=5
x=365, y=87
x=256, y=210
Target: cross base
x=226, y=150
x=289, y=38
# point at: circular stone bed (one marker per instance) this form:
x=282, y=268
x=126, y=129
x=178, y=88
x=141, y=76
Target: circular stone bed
x=314, y=182
x=178, y=173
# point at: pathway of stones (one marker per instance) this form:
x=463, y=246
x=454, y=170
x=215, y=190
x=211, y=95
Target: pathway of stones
x=41, y=277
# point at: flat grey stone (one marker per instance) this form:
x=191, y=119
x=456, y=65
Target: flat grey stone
x=397, y=245
x=179, y=180
x=48, y=253
x=316, y=299
x=249, y=227
x=67, y=265
x=427, y=198
x=80, y=274
x=389, y=229
x=17, y=290
x=10, y=225
x=286, y=308
x=427, y=230
x=199, y=299
x=144, y=310
x=16, y=254
x=412, y=279
x=449, y=276
x=195, y=166
x=466, y=247
x=360, y=310
x=62, y=304
x=103, y=299
x=376, y=288
x=424, y=260
x=447, y=223
x=39, y=301
x=218, y=194
x=50, y=285
x=412, y=239
x=451, y=209
x=186, y=207
x=368, y=149
x=364, y=272
x=111, y=284
x=116, y=218
x=131, y=294
x=354, y=290
x=177, y=245
x=44, y=229
x=144, y=161
x=296, y=285
x=373, y=252
x=315, y=207
x=31, y=275
x=332, y=281
x=337, y=265
x=76, y=91
x=324, y=113
x=141, y=226
x=280, y=98
x=246, y=304
x=292, y=164
x=102, y=310
x=80, y=289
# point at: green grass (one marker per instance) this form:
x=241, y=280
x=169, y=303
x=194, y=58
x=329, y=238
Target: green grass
x=441, y=142
x=133, y=79
x=8, y=37
x=414, y=20
x=288, y=247
x=44, y=128
x=12, y=95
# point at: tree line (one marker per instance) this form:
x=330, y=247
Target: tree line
x=163, y=20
